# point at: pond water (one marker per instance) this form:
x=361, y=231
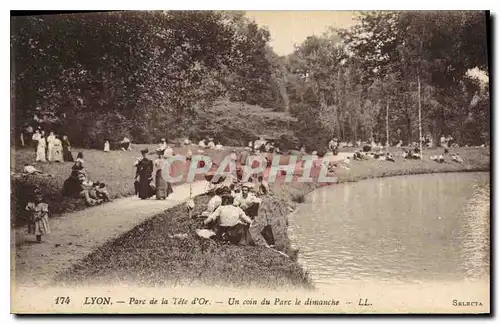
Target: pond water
x=406, y=229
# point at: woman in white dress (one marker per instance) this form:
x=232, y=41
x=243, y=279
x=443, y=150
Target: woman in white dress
x=40, y=151
x=168, y=152
x=50, y=146
x=106, y=146
x=57, y=155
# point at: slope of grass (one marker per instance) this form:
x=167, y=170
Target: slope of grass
x=151, y=254
x=115, y=168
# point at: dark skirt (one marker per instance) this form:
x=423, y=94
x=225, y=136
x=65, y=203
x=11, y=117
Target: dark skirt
x=144, y=188
x=72, y=187
x=67, y=155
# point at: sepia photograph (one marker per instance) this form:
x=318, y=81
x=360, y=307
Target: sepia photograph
x=255, y=162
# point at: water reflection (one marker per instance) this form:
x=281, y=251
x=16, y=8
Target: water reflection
x=400, y=229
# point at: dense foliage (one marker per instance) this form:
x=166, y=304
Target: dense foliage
x=141, y=74
x=360, y=80
x=148, y=75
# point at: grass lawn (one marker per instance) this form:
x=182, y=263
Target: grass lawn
x=152, y=255
x=115, y=168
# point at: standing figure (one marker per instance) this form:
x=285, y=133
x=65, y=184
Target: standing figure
x=35, y=138
x=50, y=146
x=144, y=175
x=57, y=155
x=40, y=151
x=168, y=151
x=163, y=189
x=38, y=224
x=162, y=146
x=66, y=146
x=106, y=146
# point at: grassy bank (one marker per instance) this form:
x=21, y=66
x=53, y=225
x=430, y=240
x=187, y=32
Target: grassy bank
x=166, y=251
x=153, y=255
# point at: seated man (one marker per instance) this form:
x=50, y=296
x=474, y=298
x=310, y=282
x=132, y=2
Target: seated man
x=214, y=202
x=247, y=201
x=230, y=221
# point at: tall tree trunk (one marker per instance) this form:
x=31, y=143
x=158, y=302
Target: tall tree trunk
x=12, y=97
x=387, y=125
x=408, y=126
x=284, y=94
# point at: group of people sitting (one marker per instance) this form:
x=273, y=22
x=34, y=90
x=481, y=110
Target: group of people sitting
x=455, y=157
x=78, y=185
x=51, y=148
x=125, y=145
x=209, y=143
x=232, y=210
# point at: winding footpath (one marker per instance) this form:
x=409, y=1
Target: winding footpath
x=75, y=235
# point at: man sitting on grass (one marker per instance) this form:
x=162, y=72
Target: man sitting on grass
x=230, y=222
x=214, y=202
x=247, y=201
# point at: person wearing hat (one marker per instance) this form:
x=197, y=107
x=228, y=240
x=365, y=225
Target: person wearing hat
x=247, y=200
x=163, y=188
x=144, y=175
x=38, y=224
x=215, y=201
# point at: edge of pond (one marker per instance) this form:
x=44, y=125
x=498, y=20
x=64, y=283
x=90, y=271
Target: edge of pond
x=281, y=203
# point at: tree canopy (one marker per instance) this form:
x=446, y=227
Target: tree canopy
x=151, y=74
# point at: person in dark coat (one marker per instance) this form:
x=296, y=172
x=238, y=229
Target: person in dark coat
x=144, y=175
x=67, y=156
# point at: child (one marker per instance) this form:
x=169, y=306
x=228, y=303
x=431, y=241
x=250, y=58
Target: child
x=106, y=146
x=102, y=192
x=39, y=217
x=89, y=194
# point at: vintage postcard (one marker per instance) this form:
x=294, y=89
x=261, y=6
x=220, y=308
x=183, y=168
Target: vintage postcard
x=322, y=162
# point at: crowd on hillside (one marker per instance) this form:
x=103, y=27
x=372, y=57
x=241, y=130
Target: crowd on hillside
x=232, y=214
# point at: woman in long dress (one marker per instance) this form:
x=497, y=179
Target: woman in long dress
x=38, y=224
x=66, y=145
x=57, y=155
x=160, y=183
x=144, y=175
x=50, y=146
x=106, y=146
x=40, y=151
x=168, y=151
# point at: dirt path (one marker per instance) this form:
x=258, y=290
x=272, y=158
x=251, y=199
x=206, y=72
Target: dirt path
x=75, y=235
